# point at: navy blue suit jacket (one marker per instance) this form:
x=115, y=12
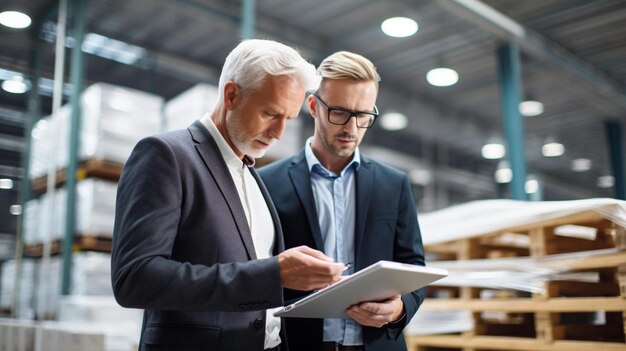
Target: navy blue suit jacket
x=386, y=229
x=182, y=248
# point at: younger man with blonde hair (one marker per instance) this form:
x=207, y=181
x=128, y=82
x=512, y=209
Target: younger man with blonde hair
x=354, y=209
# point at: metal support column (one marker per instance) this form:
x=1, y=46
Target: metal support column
x=248, y=17
x=77, y=77
x=615, y=136
x=510, y=83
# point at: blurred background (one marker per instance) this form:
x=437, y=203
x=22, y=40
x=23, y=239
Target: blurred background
x=491, y=99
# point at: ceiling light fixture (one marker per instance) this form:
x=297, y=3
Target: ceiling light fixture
x=6, y=183
x=393, y=121
x=552, y=149
x=15, y=210
x=493, y=149
x=15, y=19
x=605, y=181
x=442, y=77
x=15, y=85
x=399, y=27
x=503, y=174
x=531, y=186
x=581, y=165
x=530, y=108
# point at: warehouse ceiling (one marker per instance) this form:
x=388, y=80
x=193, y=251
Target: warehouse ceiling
x=573, y=61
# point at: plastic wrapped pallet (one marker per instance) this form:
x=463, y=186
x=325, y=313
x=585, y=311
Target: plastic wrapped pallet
x=95, y=207
x=189, y=106
x=39, y=152
x=91, y=274
x=17, y=335
x=51, y=228
x=120, y=326
x=479, y=217
x=27, y=287
x=113, y=120
x=47, y=287
x=30, y=233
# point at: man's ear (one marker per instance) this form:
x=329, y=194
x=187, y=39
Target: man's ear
x=232, y=95
x=312, y=102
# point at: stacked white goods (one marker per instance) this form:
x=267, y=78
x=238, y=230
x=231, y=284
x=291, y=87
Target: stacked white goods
x=30, y=232
x=51, y=224
x=26, y=308
x=189, y=106
x=120, y=326
x=39, y=150
x=95, y=207
x=17, y=335
x=62, y=336
x=91, y=274
x=54, y=336
x=113, y=120
x=95, y=212
x=48, y=286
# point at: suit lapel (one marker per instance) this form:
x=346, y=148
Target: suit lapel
x=214, y=161
x=279, y=243
x=364, y=183
x=301, y=181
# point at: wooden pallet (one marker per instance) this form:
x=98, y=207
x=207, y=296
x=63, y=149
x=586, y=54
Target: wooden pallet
x=92, y=168
x=534, y=240
x=550, y=321
x=81, y=243
x=466, y=343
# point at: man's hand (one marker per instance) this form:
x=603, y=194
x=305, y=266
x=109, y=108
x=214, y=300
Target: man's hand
x=303, y=268
x=377, y=313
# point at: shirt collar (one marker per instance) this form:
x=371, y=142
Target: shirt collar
x=227, y=152
x=314, y=163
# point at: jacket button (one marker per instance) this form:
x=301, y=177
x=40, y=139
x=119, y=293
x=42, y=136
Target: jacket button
x=258, y=323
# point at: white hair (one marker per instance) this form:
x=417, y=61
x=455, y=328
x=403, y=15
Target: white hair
x=252, y=60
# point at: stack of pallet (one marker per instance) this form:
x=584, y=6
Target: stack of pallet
x=113, y=120
x=574, y=253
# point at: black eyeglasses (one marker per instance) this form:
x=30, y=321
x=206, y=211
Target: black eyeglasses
x=341, y=116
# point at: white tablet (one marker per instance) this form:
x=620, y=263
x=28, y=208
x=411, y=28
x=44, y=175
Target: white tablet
x=377, y=282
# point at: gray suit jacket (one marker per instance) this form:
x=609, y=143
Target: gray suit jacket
x=182, y=248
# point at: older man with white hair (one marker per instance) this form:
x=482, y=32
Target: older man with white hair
x=197, y=241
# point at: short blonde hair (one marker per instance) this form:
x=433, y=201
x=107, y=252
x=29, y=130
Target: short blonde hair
x=347, y=65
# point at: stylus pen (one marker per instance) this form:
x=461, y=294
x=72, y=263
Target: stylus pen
x=348, y=265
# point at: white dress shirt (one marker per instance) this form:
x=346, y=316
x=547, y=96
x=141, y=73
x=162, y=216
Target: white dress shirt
x=257, y=214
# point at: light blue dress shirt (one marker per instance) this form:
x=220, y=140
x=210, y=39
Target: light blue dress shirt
x=335, y=201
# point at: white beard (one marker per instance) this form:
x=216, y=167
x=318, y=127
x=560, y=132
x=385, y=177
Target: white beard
x=243, y=142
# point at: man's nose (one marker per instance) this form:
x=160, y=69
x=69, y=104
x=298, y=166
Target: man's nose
x=351, y=125
x=278, y=128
